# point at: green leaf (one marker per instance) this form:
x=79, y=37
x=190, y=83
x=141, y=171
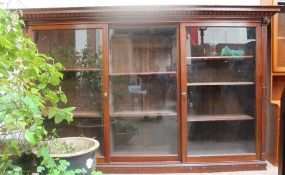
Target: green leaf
x=30, y=73
x=6, y=43
x=52, y=97
x=42, y=86
x=40, y=169
x=69, y=109
x=63, y=98
x=54, y=80
x=64, y=114
x=31, y=137
x=52, y=112
x=3, y=72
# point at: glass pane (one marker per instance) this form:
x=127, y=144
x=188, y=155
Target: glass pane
x=221, y=90
x=144, y=135
x=281, y=40
x=143, y=94
x=143, y=91
x=80, y=52
x=281, y=51
x=281, y=24
x=73, y=48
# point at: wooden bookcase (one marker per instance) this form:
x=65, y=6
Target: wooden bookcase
x=154, y=92
x=277, y=83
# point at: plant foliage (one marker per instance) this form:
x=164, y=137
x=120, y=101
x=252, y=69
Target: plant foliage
x=29, y=90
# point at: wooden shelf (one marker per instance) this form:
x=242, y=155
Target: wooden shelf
x=220, y=83
x=278, y=73
x=148, y=113
x=88, y=114
x=144, y=73
x=80, y=70
x=218, y=117
x=220, y=57
x=277, y=102
x=281, y=37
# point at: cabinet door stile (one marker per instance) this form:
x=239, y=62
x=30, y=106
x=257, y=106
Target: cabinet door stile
x=183, y=84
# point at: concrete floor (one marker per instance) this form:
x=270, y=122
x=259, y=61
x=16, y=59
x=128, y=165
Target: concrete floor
x=271, y=170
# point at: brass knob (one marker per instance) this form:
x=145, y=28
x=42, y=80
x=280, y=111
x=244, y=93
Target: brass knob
x=105, y=95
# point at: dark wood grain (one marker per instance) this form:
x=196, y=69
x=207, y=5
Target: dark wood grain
x=173, y=167
x=105, y=88
x=272, y=141
x=146, y=13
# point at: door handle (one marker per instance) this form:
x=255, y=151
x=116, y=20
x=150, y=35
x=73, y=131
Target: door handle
x=105, y=95
x=183, y=94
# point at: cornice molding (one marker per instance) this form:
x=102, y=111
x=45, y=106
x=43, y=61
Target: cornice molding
x=148, y=12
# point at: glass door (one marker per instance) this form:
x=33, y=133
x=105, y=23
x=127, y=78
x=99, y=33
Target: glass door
x=143, y=90
x=220, y=86
x=80, y=52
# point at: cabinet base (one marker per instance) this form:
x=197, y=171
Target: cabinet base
x=175, y=167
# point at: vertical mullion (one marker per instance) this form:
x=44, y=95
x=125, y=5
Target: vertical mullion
x=265, y=84
x=105, y=89
x=183, y=102
x=178, y=84
x=258, y=89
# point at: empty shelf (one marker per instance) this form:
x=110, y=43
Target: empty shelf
x=148, y=113
x=143, y=73
x=218, y=117
x=86, y=114
x=220, y=83
x=220, y=57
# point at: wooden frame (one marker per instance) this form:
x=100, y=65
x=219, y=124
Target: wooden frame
x=167, y=157
x=277, y=82
x=183, y=16
x=274, y=32
x=259, y=114
x=105, y=104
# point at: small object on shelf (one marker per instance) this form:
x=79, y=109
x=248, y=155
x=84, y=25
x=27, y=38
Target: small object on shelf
x=226, y=51
x=136, y=90
x=213, y=48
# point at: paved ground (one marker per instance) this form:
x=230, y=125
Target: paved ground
x=270, y=171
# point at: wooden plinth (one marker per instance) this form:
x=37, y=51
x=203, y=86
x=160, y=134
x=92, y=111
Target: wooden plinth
x=176, y=167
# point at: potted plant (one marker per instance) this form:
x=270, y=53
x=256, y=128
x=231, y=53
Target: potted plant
x=79, y=152
x=29, y=92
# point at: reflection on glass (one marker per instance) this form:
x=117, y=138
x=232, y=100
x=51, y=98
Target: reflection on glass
x=83, y=90
x=72, y=48
x=143, y=93
x=221, y=90
x=143, y=90
x=149, y=135
x=80, y=52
